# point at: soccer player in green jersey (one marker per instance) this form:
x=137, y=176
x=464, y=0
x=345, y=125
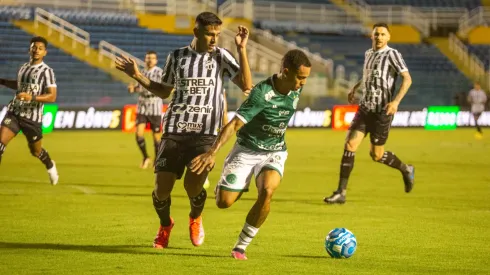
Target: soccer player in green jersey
x=260, y=150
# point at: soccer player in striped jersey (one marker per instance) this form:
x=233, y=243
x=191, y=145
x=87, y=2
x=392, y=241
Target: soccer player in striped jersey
x=195, y=75
x=477, y=98
x=378, y=105
x=260, y=149
x=149, y=108
x=34, y=86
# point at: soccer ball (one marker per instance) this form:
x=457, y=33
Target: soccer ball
x=340, y=243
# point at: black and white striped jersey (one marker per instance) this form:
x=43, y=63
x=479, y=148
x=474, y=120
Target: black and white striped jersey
x=32, y=79
x=198, y=101
x=380, y=71
x=148, y=103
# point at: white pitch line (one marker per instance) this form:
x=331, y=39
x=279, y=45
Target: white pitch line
x=83, y=189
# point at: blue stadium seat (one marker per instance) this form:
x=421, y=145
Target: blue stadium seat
x=482, y=52
x=78, y=83
x=470, y=4
x=435, y=78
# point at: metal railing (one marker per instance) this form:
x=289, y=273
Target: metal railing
x=472, y=62
x=328, y=63
x=108, y=50
x=261, y=58
x=64, y=28
x=443, y=16
x=398, y=15
x=476, y=17
x=180, y=7
x=301, y=12
x=237, y=9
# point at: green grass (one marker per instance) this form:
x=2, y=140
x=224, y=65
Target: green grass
x=100, y=218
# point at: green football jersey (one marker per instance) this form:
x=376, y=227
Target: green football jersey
x=266, y=114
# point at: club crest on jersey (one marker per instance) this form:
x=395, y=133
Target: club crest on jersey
x=209, y=65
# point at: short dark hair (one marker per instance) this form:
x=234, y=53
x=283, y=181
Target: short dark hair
x=384, y=25
x=208, y=18
x=152, y=52
x=294, y=59
x=39, y=39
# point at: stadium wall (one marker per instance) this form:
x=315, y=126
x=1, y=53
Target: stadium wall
x=338, y=117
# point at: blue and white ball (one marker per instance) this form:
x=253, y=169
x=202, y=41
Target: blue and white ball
x=340, y=243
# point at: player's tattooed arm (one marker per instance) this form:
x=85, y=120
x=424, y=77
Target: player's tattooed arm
x=392, y=107
x=205, y=162
x=49, y=96
x=130, y=67
x=352, y=92
x=12, y=84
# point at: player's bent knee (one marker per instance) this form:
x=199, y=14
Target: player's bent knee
x=376, y=156
x=350, y=146
x=224, y=202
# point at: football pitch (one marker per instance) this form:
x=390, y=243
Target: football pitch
x=100, y=218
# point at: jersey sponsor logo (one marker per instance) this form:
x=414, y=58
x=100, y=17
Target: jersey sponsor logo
x=269, y=95
x=7, y=121
x=191, y=126
x=275, y=130
x=274, y=106
x=284, y=112
x=196, y=86
x=273, y=147
x=28, y=87
x=182, y=108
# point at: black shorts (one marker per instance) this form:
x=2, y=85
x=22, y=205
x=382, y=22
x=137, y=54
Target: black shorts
x=177, y=151
x=377, y=125
x=31, y=129
x=155, y=122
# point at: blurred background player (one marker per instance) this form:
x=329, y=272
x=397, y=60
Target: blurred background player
x=260, y=149
x=35, y=85
x=149, y=108
x=477, y=98
x=378, y=105
x=194, y=116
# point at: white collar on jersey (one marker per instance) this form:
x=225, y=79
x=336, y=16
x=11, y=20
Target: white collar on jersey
x=382, y=50
x=154, y=67
x=214, y=52
x=37, y=65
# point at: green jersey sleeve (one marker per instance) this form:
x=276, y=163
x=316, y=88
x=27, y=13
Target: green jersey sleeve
x=254, y=104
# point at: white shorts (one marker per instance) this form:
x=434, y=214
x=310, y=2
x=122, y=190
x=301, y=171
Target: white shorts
x=477, y=108
x=241, y=163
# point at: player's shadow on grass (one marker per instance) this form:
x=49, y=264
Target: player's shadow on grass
x=110, y=249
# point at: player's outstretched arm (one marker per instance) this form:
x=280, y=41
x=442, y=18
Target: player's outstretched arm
x=49, y=96
x=12, y=84
x=392, y=107
x=244, y=78
x=129, y=67
x=205, y=162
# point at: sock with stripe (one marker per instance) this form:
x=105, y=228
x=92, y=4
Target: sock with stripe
x=142, y=145
x=197, y=204
x=45, y=159
x=245, y=237
x=2, y=149
x=346, y=166
x=393, y=161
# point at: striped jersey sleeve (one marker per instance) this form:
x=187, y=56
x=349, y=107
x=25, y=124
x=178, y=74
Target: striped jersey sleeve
x=230, y=65
x=168, y=76
x=50, y=79
x=397, y=62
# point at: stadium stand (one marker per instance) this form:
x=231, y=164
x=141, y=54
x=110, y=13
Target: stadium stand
x=469, y=4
